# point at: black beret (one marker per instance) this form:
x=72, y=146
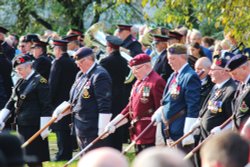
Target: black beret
x=236, y=62
x=113, y=41
x=31, y=38
x=246, y=52
x=21, y=60
x=175, y=35
x=83, y=52
x=227, y=55
x=3, y=30
x=220, y=62
x=60, y=42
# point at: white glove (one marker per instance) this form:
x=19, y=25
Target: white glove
x=2, y=125
x=4, y=113
x=216, y=130
x=57, y=112
x=157, y=116
x=43, y=122
x=189, y=122
x=111, y=126
x=103, y=122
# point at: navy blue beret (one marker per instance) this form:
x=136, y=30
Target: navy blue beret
x=83, y=52
x=236, y=62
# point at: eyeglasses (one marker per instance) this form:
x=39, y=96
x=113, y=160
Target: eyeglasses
x=80, y=61
x=136, y=68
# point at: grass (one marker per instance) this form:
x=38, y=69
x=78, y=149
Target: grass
x=53, y=149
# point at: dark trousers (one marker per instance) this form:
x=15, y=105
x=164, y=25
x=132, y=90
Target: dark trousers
x=140, y=147
x=84, y=141
x=64, y=144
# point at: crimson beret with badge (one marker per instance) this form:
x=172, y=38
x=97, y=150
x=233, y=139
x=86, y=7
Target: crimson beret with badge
x=139, y=59
x=113, y=41
x=21, y=60
x=83, y=52
x=236, y=62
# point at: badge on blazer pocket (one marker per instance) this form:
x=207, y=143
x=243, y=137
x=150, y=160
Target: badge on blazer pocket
x=243, y=107
x=85, y=94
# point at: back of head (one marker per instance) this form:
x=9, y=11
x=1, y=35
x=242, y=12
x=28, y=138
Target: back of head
x=228, y=149
x=103, y=157
x=10, y=146
x=160, y=157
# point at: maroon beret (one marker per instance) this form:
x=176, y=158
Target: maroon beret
x=139, y=59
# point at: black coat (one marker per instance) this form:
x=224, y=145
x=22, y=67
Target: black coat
x=205, y=90
x=217, y=108
x=8, y=51
x=42, y=66
x=132, y=45
x=242, y=106
x=118, y=70
x=62, y=76
x=5, y=80
x=162, y=67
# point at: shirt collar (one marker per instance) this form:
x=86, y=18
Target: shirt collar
x=181, y=69
x=221, y=84
x=31, y=73
x=247, y=79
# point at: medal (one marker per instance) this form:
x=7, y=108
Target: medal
x=244, y=107
x=85, y=94
x=175, y=90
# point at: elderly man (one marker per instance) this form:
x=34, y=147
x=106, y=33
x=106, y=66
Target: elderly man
x=239, y=69
x=144, y=100
x=225, y=150
x=90, y=96
x=103, y=157
x=161, y=157
x=181, y=98
x=29, y=102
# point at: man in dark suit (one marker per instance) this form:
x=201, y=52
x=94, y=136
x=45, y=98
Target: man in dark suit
x=91, y=97
x=118, y=69
x=62, y=76
x=144, y=100
x=30, y=101
x=5, y=78
x=8, y=51
x=129, y=42
x=239, y=69
x=42, y=62
x=181, y=98
x=161, y=65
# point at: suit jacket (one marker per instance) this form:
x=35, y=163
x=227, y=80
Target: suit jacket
x=91, y=94
x=186, y=97
x=62, y=76
x=36, y=103
x=42, y=66
x=117, y=68
x=217, y=107
x=162, y=67
x=144, y=100
x=132, y=45
x=205, y=90
x=5, y=80
x=241, y=106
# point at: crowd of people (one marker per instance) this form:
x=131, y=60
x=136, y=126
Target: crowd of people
x=151, y=86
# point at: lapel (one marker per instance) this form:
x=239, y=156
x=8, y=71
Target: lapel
x=182, y=74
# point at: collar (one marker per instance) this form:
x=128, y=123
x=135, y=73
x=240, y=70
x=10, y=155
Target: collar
x=181, y=69
x=204, y=81
x=247, y=79
x=93, y=65
x=220, y=85
x=28, y=77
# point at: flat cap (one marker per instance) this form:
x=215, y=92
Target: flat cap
x=139, y=59
x=160, y=38
x=39, y=44
x=21, y=60
x=70, y=38
x=124, y=27
x=31, y=38
x=236, y=62
x=60, y=42
x=113, y=41
x=177, y=49
x=175, y=35
x=3, y=30
x=83, y=52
